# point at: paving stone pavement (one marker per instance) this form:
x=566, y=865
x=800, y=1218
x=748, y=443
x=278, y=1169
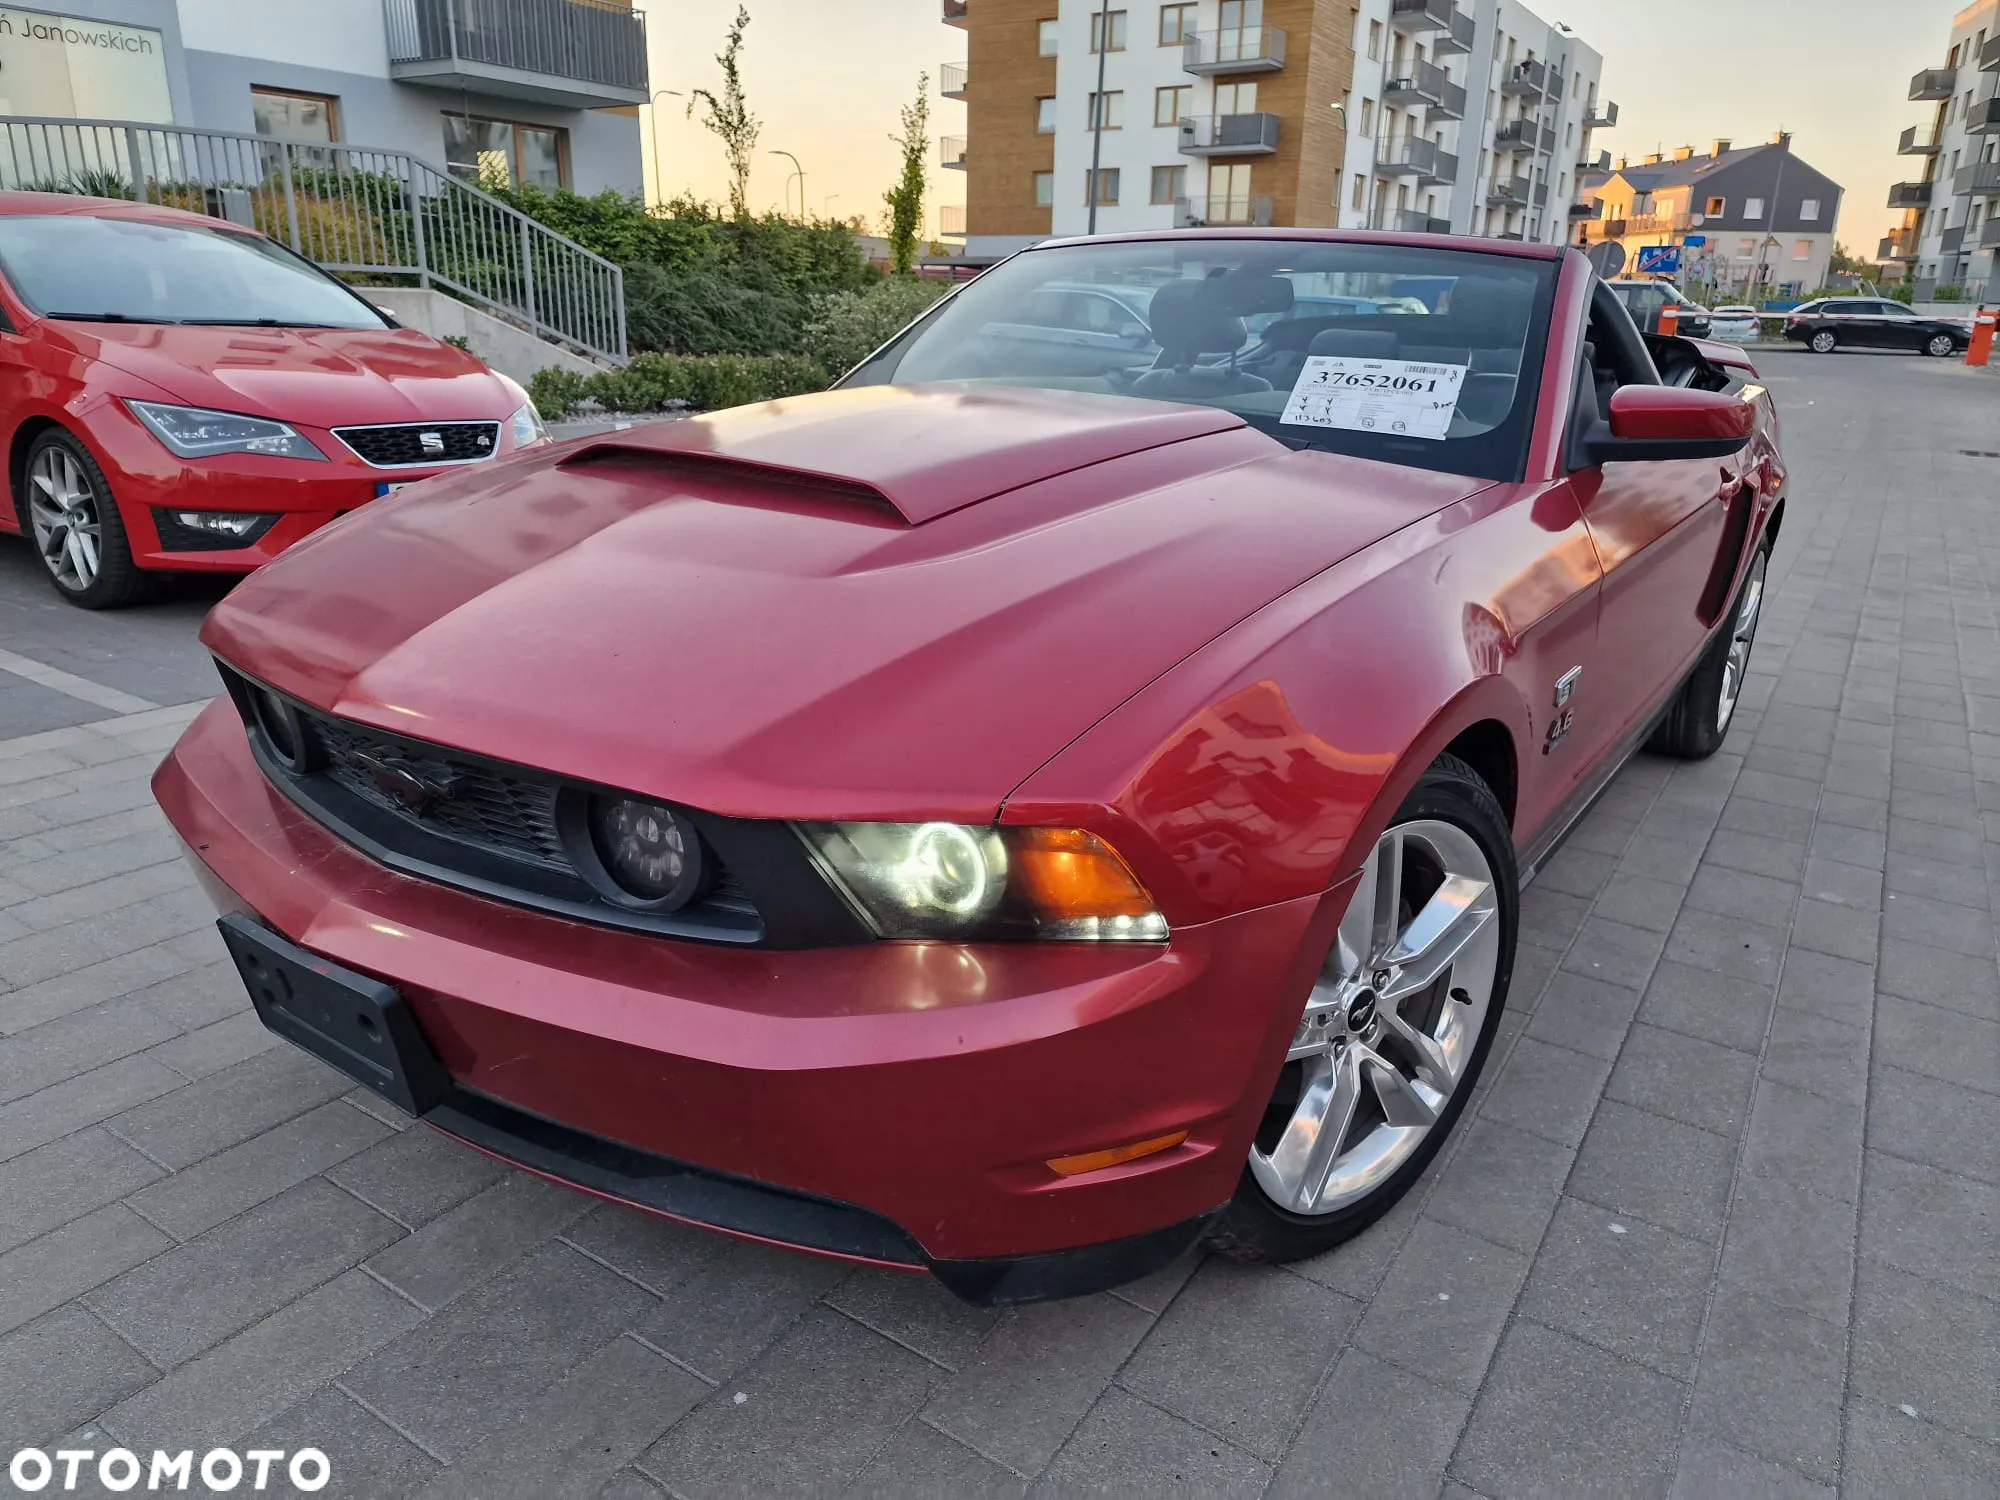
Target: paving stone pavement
x=1725, y=1220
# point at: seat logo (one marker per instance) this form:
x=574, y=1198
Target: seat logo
x=432, y=443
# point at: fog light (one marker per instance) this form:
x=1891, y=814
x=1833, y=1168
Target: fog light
x=225, y=523
x=651, y=855
x=210, y=530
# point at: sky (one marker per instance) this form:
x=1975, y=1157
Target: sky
x=828, y=77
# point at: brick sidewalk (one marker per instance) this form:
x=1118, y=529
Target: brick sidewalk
x=1725, y=1219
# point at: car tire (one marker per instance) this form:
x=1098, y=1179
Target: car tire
x=1941, y=346
x=1452, y=858
x=1698, y=720
x=1823, y=342
x=67, y=513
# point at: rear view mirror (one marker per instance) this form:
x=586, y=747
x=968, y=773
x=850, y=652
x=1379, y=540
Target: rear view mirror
x=1649, y=423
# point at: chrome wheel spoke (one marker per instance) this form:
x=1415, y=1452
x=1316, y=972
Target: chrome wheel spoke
x=1388, y=895
x=1431, y=1054
x=62, y=511
x=1453, y=917
x=1406, y=1103
x=1305, y=1154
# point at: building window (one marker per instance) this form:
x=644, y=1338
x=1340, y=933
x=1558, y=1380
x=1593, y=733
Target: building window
x=1169, y=183
x=1097, y=22
x=1107, y=110
x=1360, y=190
x=1045, y=189
x=1716, y=207
x=1236, y=98
x=1753, y=208
x=1802, y=250
x=1746, y=248
x=1229, y=193
x=1107, y=187
x=1176, y=24
x=1375, y=40
x=1046, y=33
x=287, y=116
x=1045, y=116
x=1172, y=105
x=1809, y=209
x=1367, y=117
x=500, y=150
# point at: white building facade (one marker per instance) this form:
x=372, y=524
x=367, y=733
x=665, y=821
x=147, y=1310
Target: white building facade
x=1951, y=204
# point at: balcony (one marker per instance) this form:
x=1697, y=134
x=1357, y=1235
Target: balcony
x=1418, y=158
x=1989, y=57
x=951, y=152
x=1424, y=83
x=1526, y=78
x=951, y=80
x=1541, y=195
x=1237, y=49
x=954, y=13
x=1582, y=210
x=1983, y=119
x=1599, y=116
x=1910, y=195
x=1555, y=89
x=1254, y=210
x=1657, y=223
x=1934, y=83
x=1604, y=229
x=1512, y=191
x=1518, y=136
x=572, y=54
x=1419, y=16
x=1918, y=140
x=1230, y=135
x=1600, y=163
x=1457, y=40
x=1981, y=179
x=1950, y=242
x=1450, y=107
x=1416, y=221
x=1902, y=245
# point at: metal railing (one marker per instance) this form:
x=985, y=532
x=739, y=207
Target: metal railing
x=1910, y=195
x=1225, y=135
x=1984, y=118
x=1918, y=140
x=1934, y=83
x=1525, y=78
x=1457, y=38
x=1599, y=163
x=1600, y=116
x=1989, y=233
x=1518, y=135
x=1989, y=56
x=1235, y=49
x=1509, y=190
x=592, y=40
x=951, y=152
x=1951, y=241
x=951, y=80
x=1413, y=155
x=1416, y=221
x=1423, y=83
x=1421, y=15
x=1254, y=209
x=1902, y=245
x=1981, y=178
x=355, y=211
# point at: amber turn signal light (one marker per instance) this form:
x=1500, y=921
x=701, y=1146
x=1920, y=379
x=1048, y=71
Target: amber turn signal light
x=1097, y=1161
x=1068, y=876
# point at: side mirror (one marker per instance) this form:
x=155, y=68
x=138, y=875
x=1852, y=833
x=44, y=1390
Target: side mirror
x=1649, y=423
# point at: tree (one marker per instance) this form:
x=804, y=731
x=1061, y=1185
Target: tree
x=729, y=117
x=1846, y=264
x=906, y=198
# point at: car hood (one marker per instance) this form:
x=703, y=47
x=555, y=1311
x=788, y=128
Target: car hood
x=886, y=602
x=321, y=377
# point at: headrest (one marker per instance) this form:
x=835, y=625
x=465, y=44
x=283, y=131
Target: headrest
x=1244, y=296
x=1361, y=343
x=1188, y=318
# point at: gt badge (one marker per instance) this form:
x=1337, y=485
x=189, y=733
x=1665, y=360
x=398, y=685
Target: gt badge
x=1566, y=685
x=1565, y=715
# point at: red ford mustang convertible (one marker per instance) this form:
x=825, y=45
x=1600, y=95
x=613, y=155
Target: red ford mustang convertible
x=1058, y=797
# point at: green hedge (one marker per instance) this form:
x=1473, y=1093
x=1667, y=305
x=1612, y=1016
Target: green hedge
x=665, y=382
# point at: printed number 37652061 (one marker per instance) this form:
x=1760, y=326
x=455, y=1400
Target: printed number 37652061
x=1376, y=381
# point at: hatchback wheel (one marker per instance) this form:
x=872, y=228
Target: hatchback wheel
x=1941, y=346
x=67, y=509
x=1395, y=1031
x=1823, y=342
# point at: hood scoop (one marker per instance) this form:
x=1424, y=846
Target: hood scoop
x=732, y=480
x=920, y=451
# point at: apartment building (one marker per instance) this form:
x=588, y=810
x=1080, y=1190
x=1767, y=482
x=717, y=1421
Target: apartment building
x=1755, y=220
x=1084, y=116
x=540, y=91
x=1469, y=117
x=1951, y=204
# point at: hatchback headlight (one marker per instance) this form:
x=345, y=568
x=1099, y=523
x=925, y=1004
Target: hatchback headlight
x=526, y=427
x=952, y=880
x=196, y=432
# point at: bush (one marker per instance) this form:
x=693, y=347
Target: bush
x=709, y=311
x=665, y=382
x=847, y=327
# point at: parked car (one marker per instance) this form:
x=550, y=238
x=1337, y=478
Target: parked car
x=1834, y=323
x=1645, y=298
x=1734, y=324
x=178, y=393
x=1006, y=823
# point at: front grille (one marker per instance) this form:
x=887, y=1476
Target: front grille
x=417, y=445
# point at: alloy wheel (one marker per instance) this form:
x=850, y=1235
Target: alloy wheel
x=1391, y=1027
x=63, y=510
x=1823, y=342
x=1742, y=636
x=1942, y=346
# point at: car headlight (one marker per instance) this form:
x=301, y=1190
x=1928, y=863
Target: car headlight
x=196, y=432
x=951, y=880
x=526, y=426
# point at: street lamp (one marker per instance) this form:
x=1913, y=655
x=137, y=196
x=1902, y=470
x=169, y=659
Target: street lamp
x=800, y=173
x=827, y=207
x=659, y=185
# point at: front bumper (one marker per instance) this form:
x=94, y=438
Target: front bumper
x=923, y=1086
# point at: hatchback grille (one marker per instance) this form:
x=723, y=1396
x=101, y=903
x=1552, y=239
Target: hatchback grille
x=416, y=445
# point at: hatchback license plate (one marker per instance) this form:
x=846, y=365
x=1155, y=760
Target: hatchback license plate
x=389, y=487
x=359, y=1025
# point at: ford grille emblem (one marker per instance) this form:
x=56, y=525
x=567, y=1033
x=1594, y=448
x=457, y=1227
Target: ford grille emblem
x=400, y=783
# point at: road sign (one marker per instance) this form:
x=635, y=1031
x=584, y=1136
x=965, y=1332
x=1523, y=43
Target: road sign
x=1693, y=240
x=1659, y=260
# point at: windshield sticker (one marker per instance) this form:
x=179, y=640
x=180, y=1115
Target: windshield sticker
x=1390, y=396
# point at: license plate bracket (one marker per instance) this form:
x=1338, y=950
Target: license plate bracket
x=352, y=1022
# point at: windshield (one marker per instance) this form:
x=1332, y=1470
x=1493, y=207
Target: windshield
x=129, y=271
x=1424, y=357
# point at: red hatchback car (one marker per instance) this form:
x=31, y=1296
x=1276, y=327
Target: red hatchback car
x=1039, y=805
x=177, y=393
